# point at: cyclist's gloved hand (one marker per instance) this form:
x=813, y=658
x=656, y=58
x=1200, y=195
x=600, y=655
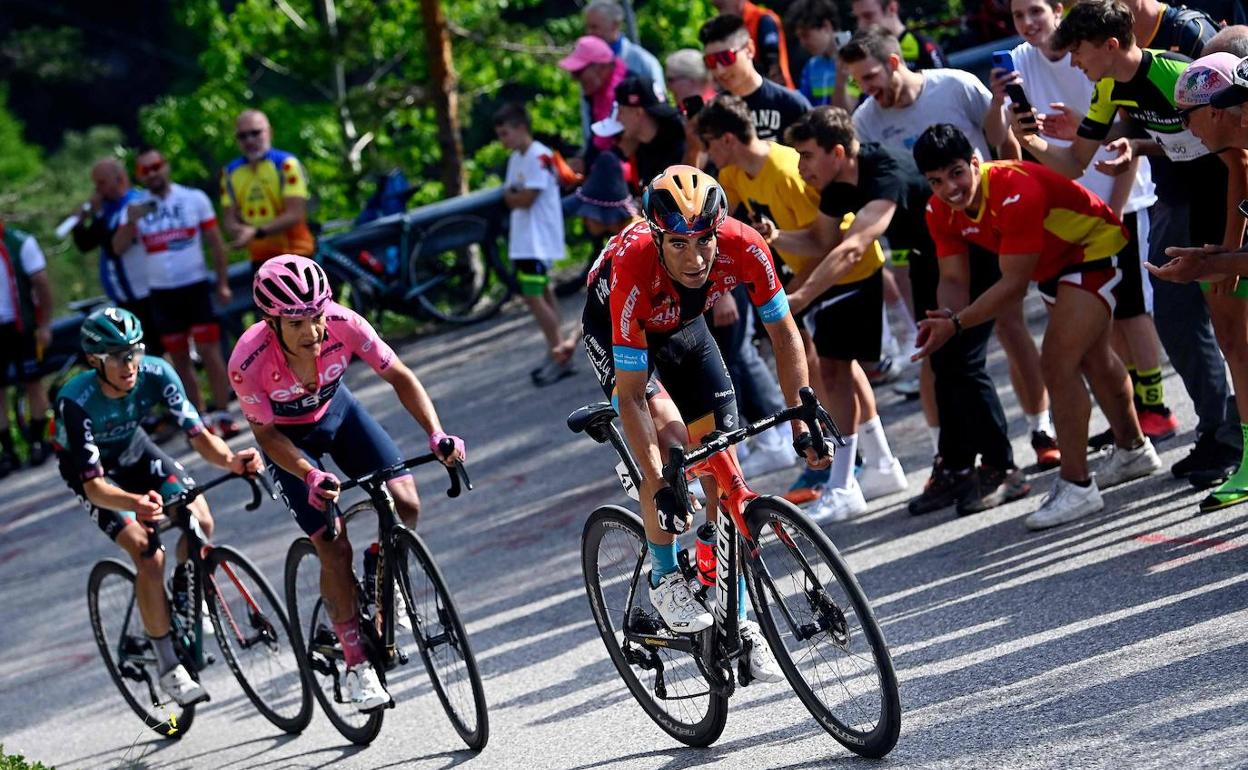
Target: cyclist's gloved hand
x=674, y=515
x=804, y=445
x=322, y=488
x=459, y=453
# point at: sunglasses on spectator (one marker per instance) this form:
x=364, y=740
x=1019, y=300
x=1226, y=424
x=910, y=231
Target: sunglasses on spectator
x=722, y=58
x=127, y=355
x=147, y=168
x=1185, y=115
x=252, y=134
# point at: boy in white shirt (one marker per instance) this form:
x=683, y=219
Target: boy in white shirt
x=531, y=191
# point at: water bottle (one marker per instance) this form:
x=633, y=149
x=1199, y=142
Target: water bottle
x=706, y=554
x=370, y=577
x=371, y=262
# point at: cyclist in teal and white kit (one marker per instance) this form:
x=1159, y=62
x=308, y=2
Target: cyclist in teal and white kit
x=287, y=370
x=121, y=477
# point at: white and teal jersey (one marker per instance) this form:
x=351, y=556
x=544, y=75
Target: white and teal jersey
x=95, y=430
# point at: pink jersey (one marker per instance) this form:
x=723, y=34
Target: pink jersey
x=269, y=391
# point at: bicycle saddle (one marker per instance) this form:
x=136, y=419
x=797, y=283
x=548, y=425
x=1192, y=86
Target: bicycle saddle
x=592, y=419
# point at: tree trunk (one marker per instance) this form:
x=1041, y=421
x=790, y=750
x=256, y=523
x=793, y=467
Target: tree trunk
x=445, y=99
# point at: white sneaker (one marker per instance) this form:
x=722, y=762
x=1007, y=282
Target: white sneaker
x=177, y=684
x=839, y=504
x=1065, y=503
x=907, y=388
x=1122, y=465
x=762, y=461
x=364, y=688
x=763, y=666
x=676, y=605
x=880, y=480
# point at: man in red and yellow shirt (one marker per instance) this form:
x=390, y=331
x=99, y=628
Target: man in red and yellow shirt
x=1046, y=228
x=264, y=195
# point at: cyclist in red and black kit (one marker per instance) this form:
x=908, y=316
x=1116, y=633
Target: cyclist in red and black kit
x=655, y=358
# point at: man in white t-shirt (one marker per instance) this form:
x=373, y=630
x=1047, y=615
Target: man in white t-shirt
x=25, y=333
x=172, y=225
x=902, y=103
x=531, y=191
x=1050, y=80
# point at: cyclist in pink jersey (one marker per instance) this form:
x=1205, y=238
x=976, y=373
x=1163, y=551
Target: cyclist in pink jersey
x=287, y=371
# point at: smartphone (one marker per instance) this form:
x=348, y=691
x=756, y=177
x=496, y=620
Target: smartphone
x=1001, y=60
x=692, y=105
x=841, y=38
x=149, y=206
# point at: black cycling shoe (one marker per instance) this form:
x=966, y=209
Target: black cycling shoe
x=993, y=487
x=943, y=489
x=1101, y=440
x=40, y=451
x=8, y=464
x=1209, y=457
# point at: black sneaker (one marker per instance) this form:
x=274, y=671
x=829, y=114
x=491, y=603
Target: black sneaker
x=943, y=489
x=1047, y=454
x=8, y=464
x=1209, y=458
x=39, y=453
x=994, y=487
x=1101, y=440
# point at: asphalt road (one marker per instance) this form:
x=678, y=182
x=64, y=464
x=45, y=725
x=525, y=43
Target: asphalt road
x=1117, y=641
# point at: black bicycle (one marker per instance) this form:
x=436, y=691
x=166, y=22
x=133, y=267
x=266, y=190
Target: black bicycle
x=248, y=621
x=406, y=578
x=810, y=607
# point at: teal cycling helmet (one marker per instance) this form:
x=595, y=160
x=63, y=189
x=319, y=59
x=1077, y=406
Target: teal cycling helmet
x=109, y=329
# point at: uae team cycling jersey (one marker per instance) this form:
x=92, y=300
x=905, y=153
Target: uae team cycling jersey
x=95, y=431
x=172, y=237
x=269, y=392
x=1148, y=99
x=1029, y=209
x=628, y=285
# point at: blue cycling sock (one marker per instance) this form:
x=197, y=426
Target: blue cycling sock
x=742, y=597
x=662, y=561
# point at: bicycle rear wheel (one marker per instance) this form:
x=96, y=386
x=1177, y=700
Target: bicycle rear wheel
x=670, y=685
x=255, y=638
x=821, y=629
x=455, y=264
x=441, y=638
x=128, y=653
x=313, y=635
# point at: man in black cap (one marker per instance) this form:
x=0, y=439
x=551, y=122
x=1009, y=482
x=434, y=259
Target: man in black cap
x=655, y=128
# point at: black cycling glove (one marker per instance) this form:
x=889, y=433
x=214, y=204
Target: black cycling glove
x=673, y=512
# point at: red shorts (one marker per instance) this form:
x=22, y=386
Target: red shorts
x=1102, y=282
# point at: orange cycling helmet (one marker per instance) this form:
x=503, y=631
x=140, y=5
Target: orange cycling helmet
x=684, y=201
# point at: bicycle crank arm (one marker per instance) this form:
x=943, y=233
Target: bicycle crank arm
x=680, y=644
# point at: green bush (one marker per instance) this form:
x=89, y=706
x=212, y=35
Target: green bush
x=17, y=762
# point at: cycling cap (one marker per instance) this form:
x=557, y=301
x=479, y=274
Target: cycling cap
x=291, y=286
x=1207, y=77
x=109, y=329
x=1238, y=92
x=684, y=201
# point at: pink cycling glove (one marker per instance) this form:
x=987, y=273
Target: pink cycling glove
x=436, y=438
x=315, y=478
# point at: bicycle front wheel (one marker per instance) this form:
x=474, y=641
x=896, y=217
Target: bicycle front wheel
x=441, y=638
x=455, y=267
x=127, y=651
x=312, y=633
x=821, y=629
x=670, y=685
x=254, y=636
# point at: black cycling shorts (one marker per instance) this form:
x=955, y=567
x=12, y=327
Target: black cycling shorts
x=183, y=312
x=1135, y=294
x=686, y=364
x=17, y=355
x=143, y=467
x=847, y=321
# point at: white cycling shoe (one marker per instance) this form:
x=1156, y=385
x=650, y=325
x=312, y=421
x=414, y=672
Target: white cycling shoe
x=364, y=688
x=680, y=611
x=763, y=666
x=179, y=685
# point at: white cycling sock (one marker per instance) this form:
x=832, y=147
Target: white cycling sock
x=1042, y=422
x=933, y=432
x=843, y=463
x=873, y=443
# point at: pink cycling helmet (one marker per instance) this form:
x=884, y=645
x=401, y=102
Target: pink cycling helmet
x=290, y=286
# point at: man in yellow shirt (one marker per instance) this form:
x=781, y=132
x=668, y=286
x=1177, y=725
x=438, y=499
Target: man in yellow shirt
x=843, y=323
x=264, y=195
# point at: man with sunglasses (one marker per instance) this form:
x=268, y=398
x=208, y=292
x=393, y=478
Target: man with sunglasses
x=121, y=477
x=771, y=52
x=172, y=226
x=728, y=52
x=264, y=194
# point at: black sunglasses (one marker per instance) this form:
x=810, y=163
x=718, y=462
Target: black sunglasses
x=249, y=134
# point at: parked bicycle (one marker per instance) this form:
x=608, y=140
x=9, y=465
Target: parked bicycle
x=248, y=621
x=810, y=607
x=446, y=267
x=406, y=581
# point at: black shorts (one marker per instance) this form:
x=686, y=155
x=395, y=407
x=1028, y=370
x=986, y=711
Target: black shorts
x=17, y=355
x=1135, y=295
x=847, y=321
x=183, y=312
x=144, y=467
x=533, y=275
x=686, y=363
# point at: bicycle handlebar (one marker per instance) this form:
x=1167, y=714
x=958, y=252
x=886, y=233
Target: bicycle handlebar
x=455, y=470
x=177, y=504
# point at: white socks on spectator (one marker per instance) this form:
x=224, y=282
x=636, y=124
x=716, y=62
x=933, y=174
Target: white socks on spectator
x=843, y=463
x=773, y=439
x=933, y=432
x=1042, y=422
x=901, y=312
x=873, y=442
